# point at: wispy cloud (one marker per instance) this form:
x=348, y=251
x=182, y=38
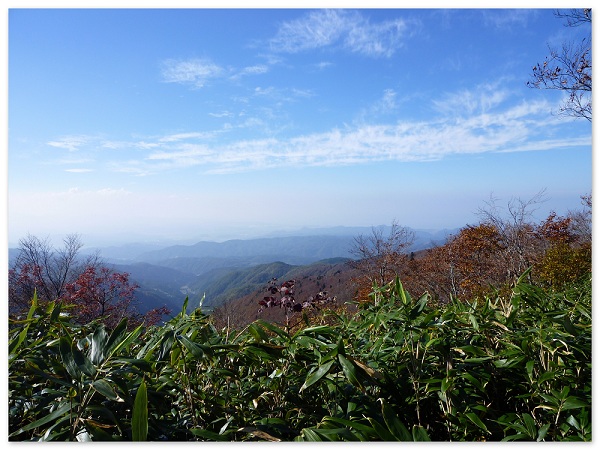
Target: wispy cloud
x=250, y=70
x=71, y=143
x=481, y=120
x=512, y=129
x=183, y=136
x=350, y=30
x=477, y=100
x=505, y=19
x=193, y=72
x=323, y=65
x=78, y=170
x=221, y=114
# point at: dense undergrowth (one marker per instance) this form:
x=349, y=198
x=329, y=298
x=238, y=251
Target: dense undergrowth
x=400, y=368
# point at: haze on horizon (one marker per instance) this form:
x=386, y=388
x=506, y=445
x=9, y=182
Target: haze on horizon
x=213, y=124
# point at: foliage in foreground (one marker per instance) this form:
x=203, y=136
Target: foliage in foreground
x=401, y=368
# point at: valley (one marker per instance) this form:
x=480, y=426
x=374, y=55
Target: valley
x=239, y=270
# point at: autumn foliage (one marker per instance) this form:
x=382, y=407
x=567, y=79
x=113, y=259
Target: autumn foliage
x=488, y=258
x=89, y=290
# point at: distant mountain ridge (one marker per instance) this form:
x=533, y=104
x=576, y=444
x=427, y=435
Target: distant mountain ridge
x=239, y=268
x=293, y=247
x=288, y=249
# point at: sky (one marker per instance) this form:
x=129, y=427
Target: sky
x=191, y=124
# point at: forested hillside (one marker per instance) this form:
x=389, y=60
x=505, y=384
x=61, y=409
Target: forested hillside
x=400, y=368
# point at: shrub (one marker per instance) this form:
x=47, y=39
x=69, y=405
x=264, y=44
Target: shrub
x=400, y=368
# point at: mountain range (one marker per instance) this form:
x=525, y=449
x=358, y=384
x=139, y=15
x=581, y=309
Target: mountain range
x=222, y=272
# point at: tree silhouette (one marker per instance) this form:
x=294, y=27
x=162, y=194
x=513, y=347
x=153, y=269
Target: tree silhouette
x=94, y=291
x=570, y=68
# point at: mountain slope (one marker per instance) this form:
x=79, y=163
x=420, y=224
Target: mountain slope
x=332, y=276
x=223, y=285
x=290, y=249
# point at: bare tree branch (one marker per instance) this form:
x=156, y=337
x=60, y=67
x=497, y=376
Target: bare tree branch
x=569, y=70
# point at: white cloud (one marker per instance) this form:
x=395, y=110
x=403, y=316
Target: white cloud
x=484, y=119
x=194, y=72
x=145, y=145
x=348, y=29
x=251, y=70
x=78, y=170
x=71, y=143
x=314, y=30
x=512, y=129
x=478, y=100
x=377, y=40
x=506, y=18
x=183, y=136
x=221, y=114
x=186, y=155
x=323, y=65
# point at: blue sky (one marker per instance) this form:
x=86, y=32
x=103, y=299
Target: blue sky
x=223, y=123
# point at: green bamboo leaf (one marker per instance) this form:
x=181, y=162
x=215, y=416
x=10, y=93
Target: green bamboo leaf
x=546, y=376
x=474, y=380
x=23, y=334
x=381, y=431
x=478, y=360
x=67, y=357
x=117, y=334
x=331, y=355
x=550, y=399
x=477, y=421
x=141, y=364
x=529, y=369
x=420, y=434
x=44, y=420
x=98, y=345
x=396, y=427
x=515, y=437
x=58, y=431
x=573, y=422
x=573, y=402
x=321, y=329
x=258, y=333
x=351, y=424
x=210, y=435
x=336, y=434
x=474, y=322
x=446, y=384
x=55, y=309
x=195, y=349
x=184, y=307
x=99, y=434
x=472, y=350
x=83, y=362
x=310, y=435
x=570, y=327
x=399, y=290
x=317, y=375
x=103, y=387
x=543, y=431
x=530, y=425
x=166, y=344
x=350, y=371
x=275, y=329
x=122, y=342
x=139, y=418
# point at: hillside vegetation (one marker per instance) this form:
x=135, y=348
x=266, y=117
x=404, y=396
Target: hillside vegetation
x=400, y=368
x=487, y=337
